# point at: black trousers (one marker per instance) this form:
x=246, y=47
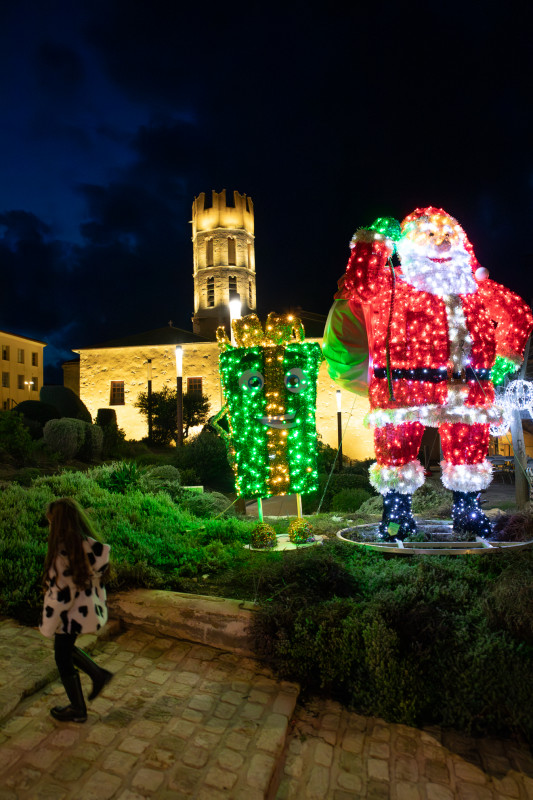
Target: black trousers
x=63, y=650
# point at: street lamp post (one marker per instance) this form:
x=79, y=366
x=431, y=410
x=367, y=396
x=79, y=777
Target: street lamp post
x=29, y=384
x=339, y=428
x=234, y=312
x=149, y=369
x=179, y=386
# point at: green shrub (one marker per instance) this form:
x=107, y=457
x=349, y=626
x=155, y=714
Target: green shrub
x=113, y=436
x=15, y=440
x=66, y=402
x=35, y=415
x=374, y=505
x=189, y=477
x=331, y=484
x=65, y=436
x=206, y=504
x=119, y=476
x=349, y=499
x=206, y=454
x=164, y=478
x=433, y=500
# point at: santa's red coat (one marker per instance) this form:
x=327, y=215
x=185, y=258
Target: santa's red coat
x=417, y=332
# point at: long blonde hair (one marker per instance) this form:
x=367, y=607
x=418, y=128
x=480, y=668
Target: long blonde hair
x=69, y=527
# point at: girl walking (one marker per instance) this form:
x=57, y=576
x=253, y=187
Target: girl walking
x=74, y=601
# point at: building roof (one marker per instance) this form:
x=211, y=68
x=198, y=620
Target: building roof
x=169, y=335
x=20, y=336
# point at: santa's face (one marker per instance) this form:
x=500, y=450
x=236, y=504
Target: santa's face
x=433, y=255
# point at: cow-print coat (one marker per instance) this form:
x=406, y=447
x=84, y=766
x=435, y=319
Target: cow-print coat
x=68, y=609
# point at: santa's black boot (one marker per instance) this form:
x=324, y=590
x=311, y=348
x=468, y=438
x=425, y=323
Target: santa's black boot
x=397, y=521
x=468, y=517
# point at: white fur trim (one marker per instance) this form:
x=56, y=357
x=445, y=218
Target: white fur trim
x=406, y=479
x=466, y=477
x=433, y=415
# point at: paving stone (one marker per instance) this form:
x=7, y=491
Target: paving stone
x=352, y=783
x=133, y=745
x=436, y=791
x=100, y=786
x=407, y=791
x=469, y=772
x=119, y=763
x=101, y=734
x=259, y=772
x=273, y=732
x=70, y=769
x=194, y=756
x=220, y=778
x=437, y=771
x=318, y=784
x=237, y=741
x=472, y=791
x=379, y=749
x=406, y=769
x=323, y=754
x=148, y=780
x=378, y=769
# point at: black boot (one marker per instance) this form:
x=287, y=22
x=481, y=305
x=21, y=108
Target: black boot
x=99, y=676
x=397, y=512
x=76, y=711
x=468, y=517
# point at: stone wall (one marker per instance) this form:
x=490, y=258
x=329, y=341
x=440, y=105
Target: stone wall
x=101, y=366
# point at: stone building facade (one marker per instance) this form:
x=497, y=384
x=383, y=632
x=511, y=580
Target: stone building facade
x=114, y=373
x=21, y=362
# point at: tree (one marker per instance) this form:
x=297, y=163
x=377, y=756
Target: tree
x=164, y=410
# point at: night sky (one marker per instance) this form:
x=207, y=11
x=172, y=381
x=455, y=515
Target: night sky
x=116, y=114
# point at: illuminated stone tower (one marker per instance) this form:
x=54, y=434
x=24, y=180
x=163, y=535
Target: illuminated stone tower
x=224, y=259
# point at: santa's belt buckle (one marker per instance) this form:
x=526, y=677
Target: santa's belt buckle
x=457, y=378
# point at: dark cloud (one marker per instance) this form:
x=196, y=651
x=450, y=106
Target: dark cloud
x=119, y=113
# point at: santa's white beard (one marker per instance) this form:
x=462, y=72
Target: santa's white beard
x=451, y=277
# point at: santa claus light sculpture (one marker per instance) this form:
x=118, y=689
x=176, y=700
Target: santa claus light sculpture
x=436, y=328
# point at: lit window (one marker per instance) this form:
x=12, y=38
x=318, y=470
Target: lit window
x=194, y=385
x=231, y=250
x=35, y=359
x=209, y=253
x=20, y=356
x=5, y=380
x=232, y=284
x=210, y=292
x=117, y=393
x=5, y=352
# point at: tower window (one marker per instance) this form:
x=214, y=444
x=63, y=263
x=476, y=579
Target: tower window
x=232, y=284
x=249, y=255
x=209, y=260
x=210, y=292
x=117, y=393
x=231, y=251
x=20, y=356
x=35, y=359
x=250, y=295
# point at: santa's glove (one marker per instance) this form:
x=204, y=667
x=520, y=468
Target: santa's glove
x=503, y=367
x=384, y=230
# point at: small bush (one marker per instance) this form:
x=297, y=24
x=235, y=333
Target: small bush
x=263, y=536
x=164, y=478
x=15, y=440
x=300, y=531
x=206, y=454
x=113, y=436
x=349, y=499
x=206, y=504
x=35, y=415
x=119, y=476
x=65, y=436
x=189, y=477
x=374, y=505
x=514, y=527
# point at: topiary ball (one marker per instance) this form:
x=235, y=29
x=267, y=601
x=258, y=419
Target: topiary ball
x=263, y=535
x=300, y=531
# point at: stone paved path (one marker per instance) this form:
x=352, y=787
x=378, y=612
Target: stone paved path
x=187, y=721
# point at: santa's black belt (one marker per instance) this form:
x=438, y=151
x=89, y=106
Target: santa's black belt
x=432, y=375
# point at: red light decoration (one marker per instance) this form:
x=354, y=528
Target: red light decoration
x=436, y=328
